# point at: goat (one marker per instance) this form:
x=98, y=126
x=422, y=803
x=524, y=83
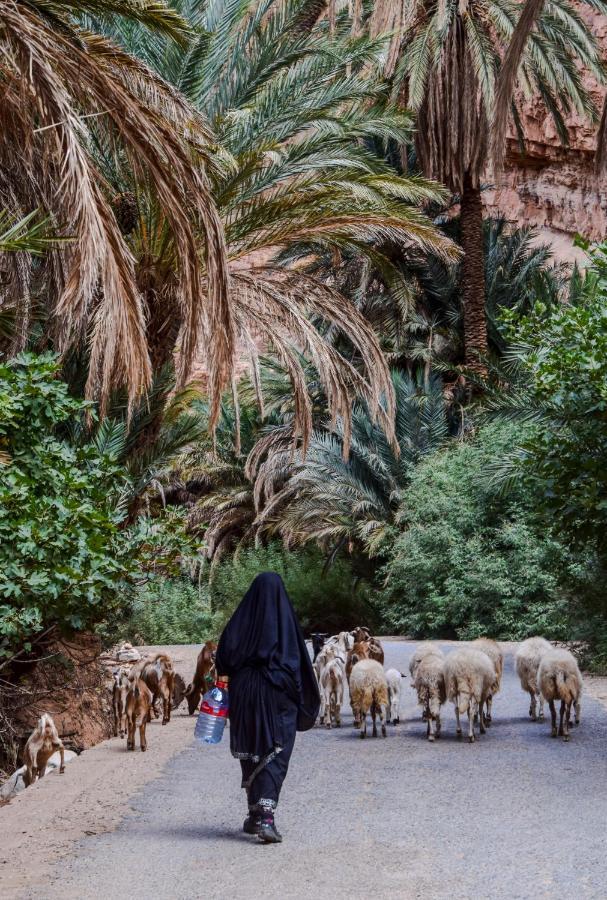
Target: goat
x=369, y=692
x=393, y=679
x=528, y=658
x=158, y=674
x=205, y=666
x=138, y=704
x=41, y=744
x=559, y=678
x=119, y=691
x=332, y=679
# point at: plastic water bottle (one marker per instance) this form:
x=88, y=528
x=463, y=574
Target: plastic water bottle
x=213, y=714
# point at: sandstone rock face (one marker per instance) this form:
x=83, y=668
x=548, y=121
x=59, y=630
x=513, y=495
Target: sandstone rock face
x=552, y=187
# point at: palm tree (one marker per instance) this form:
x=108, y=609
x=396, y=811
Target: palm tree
x=68, y=93
x=444, y=60
x=341, y=502
x=294, y=110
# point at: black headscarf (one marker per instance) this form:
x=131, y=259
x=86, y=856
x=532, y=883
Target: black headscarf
x=263, y=652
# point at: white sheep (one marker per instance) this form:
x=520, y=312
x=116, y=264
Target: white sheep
x=469, y=678
x=493, y=651
x=422, y=650
x=430, y=686
x=393, y=679
x=332, y=679
x=527, y=661
x=559, y=678
x=369, y=692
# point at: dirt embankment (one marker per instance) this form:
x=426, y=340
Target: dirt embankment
x=41, y=824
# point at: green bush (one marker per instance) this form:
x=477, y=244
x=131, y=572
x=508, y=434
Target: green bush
x=172, y=611
x=66, y=561
x=469, y=562
x=325, y=598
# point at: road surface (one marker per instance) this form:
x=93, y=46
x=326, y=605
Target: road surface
x=516, y=815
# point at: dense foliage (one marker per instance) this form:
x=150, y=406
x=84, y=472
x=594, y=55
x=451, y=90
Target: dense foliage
x=469, y=561
x=66, y=562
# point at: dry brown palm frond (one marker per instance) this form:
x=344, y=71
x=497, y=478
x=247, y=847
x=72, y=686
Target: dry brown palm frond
x=279, y=304
x=507, y=79
x=72, y=86
x=390, y=17
x=451, y=137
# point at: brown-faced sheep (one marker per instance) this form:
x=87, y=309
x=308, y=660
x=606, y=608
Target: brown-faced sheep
x=493, y=651
x=559, y=678
x=469, y=679
x=369, y=692
x=527, y=661
x=430, y=686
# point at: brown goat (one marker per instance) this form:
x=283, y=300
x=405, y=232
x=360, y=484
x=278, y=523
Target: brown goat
x=205, y=665
x=41, y=744
x=138, y=704
x=159, y=675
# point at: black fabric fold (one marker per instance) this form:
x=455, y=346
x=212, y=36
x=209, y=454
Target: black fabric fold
x=263, y=652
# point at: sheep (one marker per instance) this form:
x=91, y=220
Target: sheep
x=527, y=660
x=430, y=686
x=138, y=704
x=41, y=744
x=426, y=648
x=393, y=679
x=559, y=678
x=369, y=692
x=493, y=651
x=469, y=678
x=332, y=680
x=119, y=691
x=421, y=651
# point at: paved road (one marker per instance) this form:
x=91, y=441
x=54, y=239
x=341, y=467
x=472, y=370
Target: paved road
x=516, y=815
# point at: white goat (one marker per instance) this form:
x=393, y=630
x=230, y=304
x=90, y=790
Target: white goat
x=393, y=679
x=469, y=679
x=430, y=686
x=527, y=661
x=332, y=679
x=369, y=692
x=559, y=678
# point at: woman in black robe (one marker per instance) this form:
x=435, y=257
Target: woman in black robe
x=273, y=694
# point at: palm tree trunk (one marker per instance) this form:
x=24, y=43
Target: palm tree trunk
x=473, y=277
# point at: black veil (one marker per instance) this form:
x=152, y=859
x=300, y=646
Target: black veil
x=263, y=652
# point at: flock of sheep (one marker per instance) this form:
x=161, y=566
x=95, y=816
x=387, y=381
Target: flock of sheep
x=469, y=677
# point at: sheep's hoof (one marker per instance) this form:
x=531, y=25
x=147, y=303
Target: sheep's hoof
x=458, y=732
x=62, y=770
x=143, y=749
x=431, y=738
x=566, y=737
x=488, y=719
x=471, y=739
x=554, y=733
x=396, y=721
x=541, y=717
x=328, y=725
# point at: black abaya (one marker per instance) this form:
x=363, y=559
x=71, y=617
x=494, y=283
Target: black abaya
x=273, y=690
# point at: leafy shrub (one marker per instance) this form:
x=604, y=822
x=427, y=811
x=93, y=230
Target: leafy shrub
x=327, y=599
x=172, y=611
x=66, y=562
x=470, y=562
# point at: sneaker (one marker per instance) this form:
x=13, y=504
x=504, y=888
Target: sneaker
x=268, y=833
x=252, y=824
